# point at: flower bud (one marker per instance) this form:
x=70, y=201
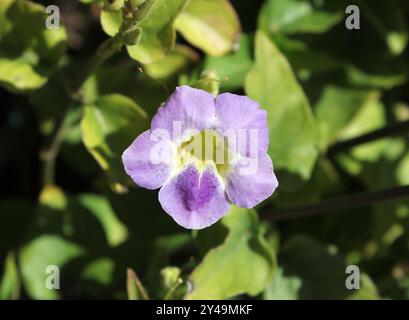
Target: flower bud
x=143, y=9
x=209, y=81
x=133, y=37
x=113, y=5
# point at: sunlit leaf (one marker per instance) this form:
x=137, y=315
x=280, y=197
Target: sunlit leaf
x=108, y=127
x=60, y=235
x=211, y=25
x=294, y=135
x=367, y=290
x=369, y=118
x=29, y=51
x=100, y=271
x=337, y=107
x=176, y=61
x=296, y=16
x=244, y=263
x=282, y=287
x=115, y=231
x=386, y=74
x=111, y=21
x=36, y=256
x=307, y=61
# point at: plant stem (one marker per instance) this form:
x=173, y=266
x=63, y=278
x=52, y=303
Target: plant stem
x=392, y=130
x=49, y=154
x=341, y=203
x=168, y=295
x=51, y=148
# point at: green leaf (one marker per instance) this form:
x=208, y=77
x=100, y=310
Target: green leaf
x=108, y=127
x=296, y=16
x=369, y=118
x=151, y=229
x=158, y=32
x=85, y=220
x=388, y=219
x=294, y=137
x=28, y=50
x=232, y=68
x=367, y=290
x=100, y=270
x=209, y=81
x=244, y=263
x=282, y=287
x=111, y=21
x=306, y=60
x=116, y=233
x=55, y=203
x=211, y=25
x=40, y=253
x=337, y=107
x=170, y=281
x=175, y=62
x=10, y=282
x=382, y=81
x=76, y=233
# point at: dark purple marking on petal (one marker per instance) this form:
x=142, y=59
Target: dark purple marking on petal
x=196, y=190
x=194, y=200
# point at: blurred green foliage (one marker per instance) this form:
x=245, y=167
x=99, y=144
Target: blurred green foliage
x=319, y=83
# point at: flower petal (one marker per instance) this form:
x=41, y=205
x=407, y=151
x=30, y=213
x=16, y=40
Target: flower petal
x=250, y=183
x=240, y=112
x=194, y=200
x=143, y=165
x=193, y=108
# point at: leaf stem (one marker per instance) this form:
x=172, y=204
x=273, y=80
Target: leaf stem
x=50, y=150
x=331, y=205
x=176, y=285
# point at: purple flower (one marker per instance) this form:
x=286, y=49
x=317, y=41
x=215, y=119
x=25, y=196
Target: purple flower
x=204, y=153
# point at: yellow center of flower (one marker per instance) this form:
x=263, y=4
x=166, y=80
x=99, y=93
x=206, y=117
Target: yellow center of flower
x=204, y=149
